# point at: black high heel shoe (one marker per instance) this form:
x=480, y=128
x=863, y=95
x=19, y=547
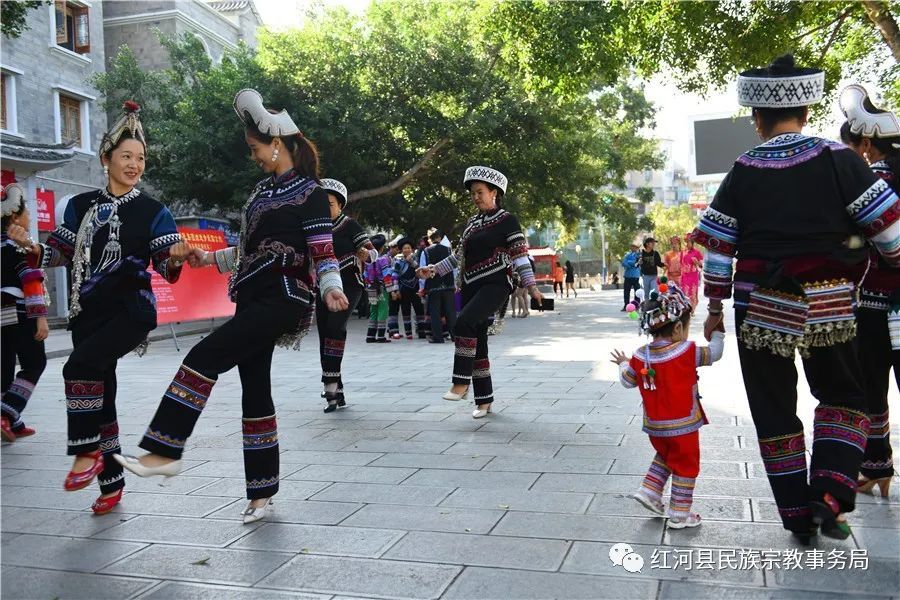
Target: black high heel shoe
x=826, y=513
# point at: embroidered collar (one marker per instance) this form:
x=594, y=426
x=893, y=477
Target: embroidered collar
x=786, y=150
x=785, y=138
x=134, y=193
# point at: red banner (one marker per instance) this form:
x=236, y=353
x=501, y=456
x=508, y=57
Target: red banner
x=199, y=293
x=46, y=210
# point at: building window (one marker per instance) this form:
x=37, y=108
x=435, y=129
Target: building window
x=73, y=31
x=70, y=120
x=8, y=108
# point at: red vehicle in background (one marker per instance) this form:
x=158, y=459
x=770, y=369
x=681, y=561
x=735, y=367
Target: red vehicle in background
x=544, y=264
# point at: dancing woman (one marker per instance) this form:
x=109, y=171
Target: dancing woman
x=491, y=247
x=109, y=237
x=352, y=249
x=790, y=210
x=24, y=320
x=285, y=221
x=874, y=134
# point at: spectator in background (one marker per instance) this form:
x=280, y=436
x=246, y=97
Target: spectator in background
x=672, y=260
x=570, y=279
x=691, y=265
x=631, y=264
x=439, y=289
x=650, y=264
x=559, y=276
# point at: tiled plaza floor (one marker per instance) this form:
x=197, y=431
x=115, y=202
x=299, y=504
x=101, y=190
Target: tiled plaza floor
x=404, y=495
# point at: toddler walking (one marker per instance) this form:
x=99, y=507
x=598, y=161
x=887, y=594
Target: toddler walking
x=665, y=372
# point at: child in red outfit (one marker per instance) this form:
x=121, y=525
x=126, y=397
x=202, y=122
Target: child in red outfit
x=665, y=371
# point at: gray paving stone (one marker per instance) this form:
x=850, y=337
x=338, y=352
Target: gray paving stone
x=512, y=450
x=20, y=582
x=173, y=530
x=351, y=474
x=58, y=522
x=581, y=482
x=477, y=583
x=165, y=485
x=328, y=458
x=405, y=416
x=884, y=543
x=504, y=424
x=549, y=465
x=294, y=511
x=397, y=446
x=196, y=591
x=374, y=493
x=517, y=499
x=348, y=425
x=592, y=439
x=762, y=536
x=237, y=488
x=427, y=518
x=592, y=558
x=47, y=498
x=720, y=509
x=471, y=479
x=881, y=578
x=581, y=527
x=481, y=437
x=481, y=550
x=432, y=461
x=205, y=565
x=317, y=539
x=689, y=590
x=169, y=504
x=65, y=554
x=365, y=577
x=233, y=469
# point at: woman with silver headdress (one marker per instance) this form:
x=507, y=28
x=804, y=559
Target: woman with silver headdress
x=285, y=236
x=352, y=248
x=790, y=210
x=492, y=246
x=874, y=134
x=109, y=237
x=24, y=319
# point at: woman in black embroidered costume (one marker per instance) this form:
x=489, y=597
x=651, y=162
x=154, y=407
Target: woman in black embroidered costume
x=109, y=237
x=352, y=249
x=405, y=265
x=874, y=134
x=24, y=320
x=285, y=220
x=491, y=248
x=789, y=210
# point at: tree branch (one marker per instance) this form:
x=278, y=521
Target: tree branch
x=840, y=17
x=402, y=181
x=880, y=15
x=833, y=36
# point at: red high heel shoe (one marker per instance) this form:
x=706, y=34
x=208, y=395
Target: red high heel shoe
x=24, y=431
x=77, y=481
x=101, y=506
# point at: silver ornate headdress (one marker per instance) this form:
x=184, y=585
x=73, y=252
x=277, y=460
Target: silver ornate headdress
x=855, y=104
x=128, y=121
x=486, y=175
x=248, y=104
x=13, y=199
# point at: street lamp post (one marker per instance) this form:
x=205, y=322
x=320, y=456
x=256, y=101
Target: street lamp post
x=578, y=253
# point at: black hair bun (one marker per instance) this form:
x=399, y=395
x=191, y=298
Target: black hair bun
x=783, y=65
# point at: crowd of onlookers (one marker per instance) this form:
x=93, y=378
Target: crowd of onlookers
x=681, y=264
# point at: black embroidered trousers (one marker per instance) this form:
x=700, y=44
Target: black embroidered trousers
x=17, y=342
x=332, y=328
x=471, y=364
x=877, y=359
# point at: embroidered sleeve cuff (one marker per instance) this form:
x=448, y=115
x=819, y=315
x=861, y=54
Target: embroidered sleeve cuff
x=169, y=272
x=717, y=275
x=627, y=376
x=330, y=281
x=446, y=266
x=523, y=268
x=225, y=259
x=707, y=355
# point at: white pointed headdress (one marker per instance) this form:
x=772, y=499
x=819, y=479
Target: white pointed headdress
x=13, y=198
x=248, y=104
x=333, y=185
x=862, y=120
x=487, y=175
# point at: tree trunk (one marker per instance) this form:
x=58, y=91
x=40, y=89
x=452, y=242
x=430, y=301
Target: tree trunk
x=880, y=15
x=402, y=181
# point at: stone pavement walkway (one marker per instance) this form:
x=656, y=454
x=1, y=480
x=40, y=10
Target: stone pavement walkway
x=404, y=495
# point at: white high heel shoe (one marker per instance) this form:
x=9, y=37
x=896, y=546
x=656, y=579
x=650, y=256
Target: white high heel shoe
x=480, y=413
x=253, y=514
x=134, y=465
x=454, y=397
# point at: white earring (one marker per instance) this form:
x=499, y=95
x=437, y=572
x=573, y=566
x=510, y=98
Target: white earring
x=275, y=154
x=106, y=172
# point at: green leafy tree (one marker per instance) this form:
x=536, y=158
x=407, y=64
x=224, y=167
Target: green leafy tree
x=621, y=224
x=400, y=101
x=701, y=45
x=15, y=14
x=670, y=221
